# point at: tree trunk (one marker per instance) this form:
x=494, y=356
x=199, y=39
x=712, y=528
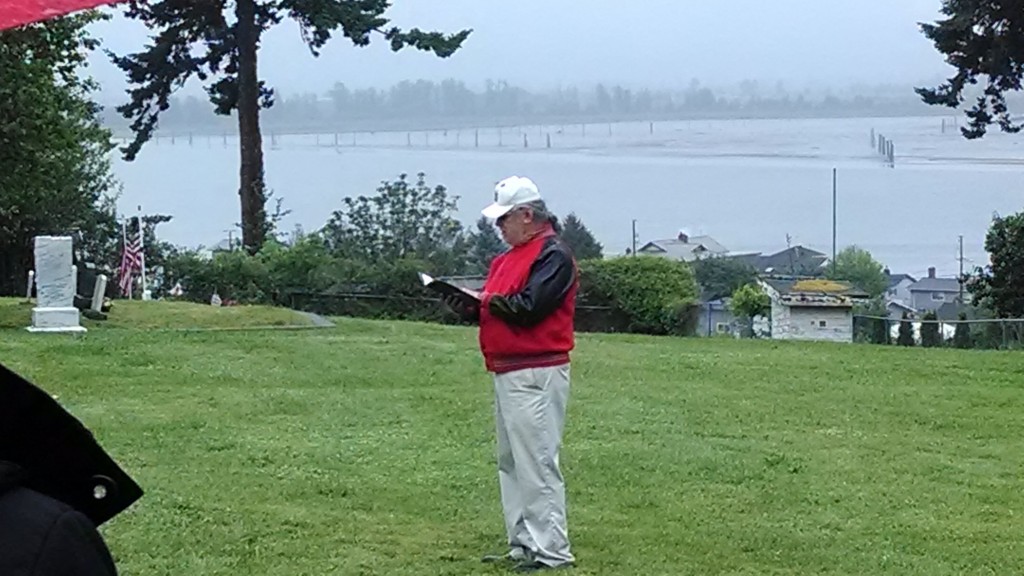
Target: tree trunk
x=251, y=189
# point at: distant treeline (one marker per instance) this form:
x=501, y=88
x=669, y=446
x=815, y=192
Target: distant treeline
x=424, y=104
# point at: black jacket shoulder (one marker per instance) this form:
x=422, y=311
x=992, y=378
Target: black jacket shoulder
x=552, y=276
x=42, y=536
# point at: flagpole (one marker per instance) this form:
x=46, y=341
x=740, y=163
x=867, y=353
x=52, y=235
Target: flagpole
x=124, y=248
x=142, y=253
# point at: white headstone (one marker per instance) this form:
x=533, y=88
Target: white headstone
x=31, y=283
x=99, y=292
x=55, y=287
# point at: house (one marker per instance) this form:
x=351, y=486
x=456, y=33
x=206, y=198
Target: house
x=928, y=294
x=715, y=318
x=684, y=247
x=811, y=308
x=793, y=261
x=899, y=287
x=950, y=312
x=896, y=309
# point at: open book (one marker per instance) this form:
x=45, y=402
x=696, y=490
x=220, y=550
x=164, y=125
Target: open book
x=469, y=297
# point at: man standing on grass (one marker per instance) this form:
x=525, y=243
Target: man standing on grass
x=526, y=334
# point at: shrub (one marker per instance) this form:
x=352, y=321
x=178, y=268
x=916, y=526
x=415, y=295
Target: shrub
x=962, y=337
x=748, y=302
x=657, y=295
x=906, y=333
x=930, y=335
x=870, y=323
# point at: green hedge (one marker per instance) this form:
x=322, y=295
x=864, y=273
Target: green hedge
x=642, y=294
x=657, y=295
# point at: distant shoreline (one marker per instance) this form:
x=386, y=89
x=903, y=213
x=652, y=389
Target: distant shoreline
x=227, y=126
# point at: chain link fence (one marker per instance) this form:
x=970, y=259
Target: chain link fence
x=980, y=334
x=430, y=309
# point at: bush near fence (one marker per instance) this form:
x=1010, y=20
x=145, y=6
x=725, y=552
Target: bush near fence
x=642, y=294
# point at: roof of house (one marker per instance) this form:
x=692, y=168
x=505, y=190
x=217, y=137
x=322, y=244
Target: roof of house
x=936, y=285
x=718, y=304
x=895, y=279
x=900, y=305
x=684, y=248
x=813, y=292
x=796, y=260
x=950, y=311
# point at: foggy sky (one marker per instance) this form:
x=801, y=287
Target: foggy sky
x=543, y=44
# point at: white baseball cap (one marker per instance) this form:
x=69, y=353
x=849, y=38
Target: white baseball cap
x=509, y=193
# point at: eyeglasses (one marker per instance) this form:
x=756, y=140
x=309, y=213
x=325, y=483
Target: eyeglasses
x=501, y=219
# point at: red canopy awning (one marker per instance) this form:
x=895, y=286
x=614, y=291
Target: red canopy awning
x=19, y=12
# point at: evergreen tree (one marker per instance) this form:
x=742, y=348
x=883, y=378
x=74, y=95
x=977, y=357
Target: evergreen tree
x=579, y=238
x=54, y=152
x=1000, y=285
x=218, y=39
x=979, y=38
x=930, y=335
x=719, y=277
x=906, y=332
x=962, y=336
x=485, y=244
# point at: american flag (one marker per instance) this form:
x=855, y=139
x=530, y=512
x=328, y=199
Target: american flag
x=131, y=257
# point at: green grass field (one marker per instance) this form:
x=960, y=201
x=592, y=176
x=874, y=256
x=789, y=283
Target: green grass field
x=367, y=448
x=16, y=313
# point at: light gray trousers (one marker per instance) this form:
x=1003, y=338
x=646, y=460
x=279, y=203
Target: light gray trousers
x=530, y=415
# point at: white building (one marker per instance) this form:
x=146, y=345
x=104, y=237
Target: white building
x=811, y=309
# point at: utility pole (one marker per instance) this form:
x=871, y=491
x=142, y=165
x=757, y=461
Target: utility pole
x=960, y=278
x=833, y=221
x=634, y=237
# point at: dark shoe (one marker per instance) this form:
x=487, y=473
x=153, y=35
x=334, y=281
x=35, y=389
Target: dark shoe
x=537, y=566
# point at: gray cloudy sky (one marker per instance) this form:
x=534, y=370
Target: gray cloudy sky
x=656, y=43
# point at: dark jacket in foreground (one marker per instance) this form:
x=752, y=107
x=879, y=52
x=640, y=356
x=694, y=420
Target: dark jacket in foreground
x=40, y=536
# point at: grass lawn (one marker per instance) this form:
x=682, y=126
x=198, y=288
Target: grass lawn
x=367, y=448
x=170, y=315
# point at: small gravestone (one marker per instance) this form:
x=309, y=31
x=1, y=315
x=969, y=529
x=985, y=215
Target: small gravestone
x=55, y=287
x=99, y=292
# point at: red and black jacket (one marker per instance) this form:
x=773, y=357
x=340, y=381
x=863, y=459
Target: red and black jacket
x=526, y=317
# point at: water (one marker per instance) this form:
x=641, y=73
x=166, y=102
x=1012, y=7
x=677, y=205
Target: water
x=747, y=183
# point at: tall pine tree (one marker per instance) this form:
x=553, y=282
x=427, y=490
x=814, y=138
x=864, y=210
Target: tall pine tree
x=485, y=244
x=218, y=42
x=579, y=238
x=979, y=38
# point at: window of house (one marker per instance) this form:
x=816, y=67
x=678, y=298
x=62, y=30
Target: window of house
x=721, y=327
x=938, y=296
